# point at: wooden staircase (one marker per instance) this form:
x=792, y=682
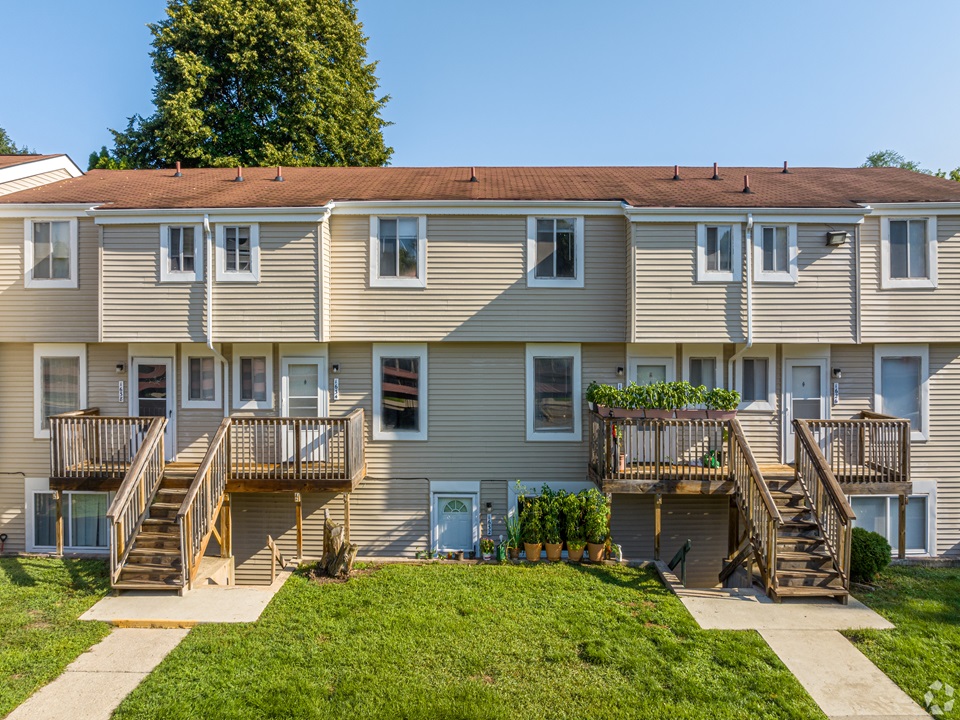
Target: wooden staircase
x=804, y=566
x=154, y=561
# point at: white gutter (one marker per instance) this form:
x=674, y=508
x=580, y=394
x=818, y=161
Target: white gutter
x=208, y=248
x=858, y=302
x=748, y=240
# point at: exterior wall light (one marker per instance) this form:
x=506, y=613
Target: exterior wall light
x=837, y=237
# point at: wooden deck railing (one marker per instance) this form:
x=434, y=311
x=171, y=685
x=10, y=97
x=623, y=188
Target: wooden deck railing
x=305, y=449
x=870, y=449
x=198, y=513
x=131, y=504
x=830, y=507
x=86, y=445
x=756, y=505
x=649, y=450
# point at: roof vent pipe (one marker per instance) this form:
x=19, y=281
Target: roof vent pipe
x=178, y=173
x=676, y=172
x=279, y=177
x=786, y=168
x=239, y=177
x=473, y=175
x=716, y=172
x=746, y=184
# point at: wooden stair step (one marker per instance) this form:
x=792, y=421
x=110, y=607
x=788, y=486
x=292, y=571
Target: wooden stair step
x=158, y=552
x=802, y=555
x=164, y=506
x=162, y=525
x=811, y=592
x=148, y=584
x=136, y=565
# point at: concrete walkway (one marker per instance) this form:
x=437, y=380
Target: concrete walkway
x=95, y=683
x=805, y=636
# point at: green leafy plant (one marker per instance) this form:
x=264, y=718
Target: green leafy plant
x=869, y=555
x=514, y=537
x=573, y=518
x=486, y=546
x=550, y=513
x=575, y=546
x=722, y=399
x=596, y=520
x=531, y=520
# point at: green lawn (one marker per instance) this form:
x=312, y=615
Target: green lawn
x=459, y=641
x=40, y=601
x=924, y=604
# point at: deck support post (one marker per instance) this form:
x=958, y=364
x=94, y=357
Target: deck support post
x=657, y=505
x=58, y=494
x=346, y=517
x=902, y=528
x=298, y=500
x=225, y=530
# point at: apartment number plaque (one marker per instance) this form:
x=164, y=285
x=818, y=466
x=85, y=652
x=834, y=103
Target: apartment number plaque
x=120, y=391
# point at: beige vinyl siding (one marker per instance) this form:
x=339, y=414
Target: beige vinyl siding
x=284, y=305
x=494, y=492
x=855, y=363
x=103, y=379
x=670, y=305
x=476, y=422
x=391, y=518
x=21, y=456
x=911, y=315
x=476, y=286
x=32, y=181
x=702, y=519
x=48, y=315
x=325, y=260
x=821, y=306
x=256, y=515
x=137, y=307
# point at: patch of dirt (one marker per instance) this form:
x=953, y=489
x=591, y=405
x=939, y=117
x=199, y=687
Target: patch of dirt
x=650, y=625
x=314, y=575
x=486, y=679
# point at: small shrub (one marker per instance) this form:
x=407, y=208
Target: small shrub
x=595, y=516
x=531, y=521
x=869, y=555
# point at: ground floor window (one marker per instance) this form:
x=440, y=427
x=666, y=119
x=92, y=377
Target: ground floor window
x=85, y=526
x=880, y=514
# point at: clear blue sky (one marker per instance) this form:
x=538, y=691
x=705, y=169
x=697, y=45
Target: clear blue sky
x=558, y=82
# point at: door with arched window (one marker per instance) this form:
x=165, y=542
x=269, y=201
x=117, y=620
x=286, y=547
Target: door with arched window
x=455, y=523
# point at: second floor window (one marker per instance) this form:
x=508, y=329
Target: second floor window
x=398, y=251
x=238, y=253
x=50, y=253
x=775, y=249
x=181, y=253
x=775, y=254
x=555, y=252
x=237, y=246
x=719, y=254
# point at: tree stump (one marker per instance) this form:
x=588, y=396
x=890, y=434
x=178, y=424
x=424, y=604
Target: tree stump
x=338, y=556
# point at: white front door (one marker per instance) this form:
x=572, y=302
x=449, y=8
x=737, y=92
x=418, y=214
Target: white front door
x=805, y=396
x=455, y=523
x=303, y=394
x=153, y=393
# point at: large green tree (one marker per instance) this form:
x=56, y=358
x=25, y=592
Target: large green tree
x=9, y=147
x=258, y=82
x=891, y=158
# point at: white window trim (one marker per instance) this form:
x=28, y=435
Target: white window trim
x=579, y=247
x=29, y=280
x=760, y=352
x=38, y=486
x=761, y=276
x=241, y=350
x=420, y=281
x=168, y=275
x=224, y=275
x=921, y=434
x=401, y=350
x=199, y=351
x=534, y=350
x=703, y=350
x=42, y=350
x=654, y=354
x=891, y=283
x=736, y=260
x=922, y=488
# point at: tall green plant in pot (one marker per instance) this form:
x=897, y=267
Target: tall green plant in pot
x=573, y=526
x=596, y=521
x=531, y=527
x=514, y=536
x=551, y=504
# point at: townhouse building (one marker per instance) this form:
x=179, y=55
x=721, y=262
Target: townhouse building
x=408, y=349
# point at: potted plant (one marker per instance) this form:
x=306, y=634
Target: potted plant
x=459, y=554
x=690, y=399
x=514, y=538
x=550, y=529
x=596, y=522
x=611, y=402
x=722, y=404
x=573, y=526
x=658, y=401
x=486, y=548
x=531, y=528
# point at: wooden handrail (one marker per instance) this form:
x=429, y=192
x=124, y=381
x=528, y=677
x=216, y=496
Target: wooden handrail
x=865, y=450
x=831, y=511
x=86, y=412
x=132, y=502
x=275, y=557
x=736, y=431
x=198, y=512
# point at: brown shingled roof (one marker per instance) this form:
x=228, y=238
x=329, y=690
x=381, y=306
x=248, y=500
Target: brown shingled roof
x=12, y=160
x=638, y=186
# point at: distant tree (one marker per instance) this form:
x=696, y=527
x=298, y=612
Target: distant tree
x=103, y=160
x=258, y=82
x=891, y=158
x=8, y=147
x=953, y=174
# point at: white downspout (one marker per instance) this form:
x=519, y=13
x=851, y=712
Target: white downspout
x=748, y=241
x=208, y=242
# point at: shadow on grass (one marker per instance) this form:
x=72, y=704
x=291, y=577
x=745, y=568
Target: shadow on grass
x=644, y=579
x=85, y=575
x=17, y=571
